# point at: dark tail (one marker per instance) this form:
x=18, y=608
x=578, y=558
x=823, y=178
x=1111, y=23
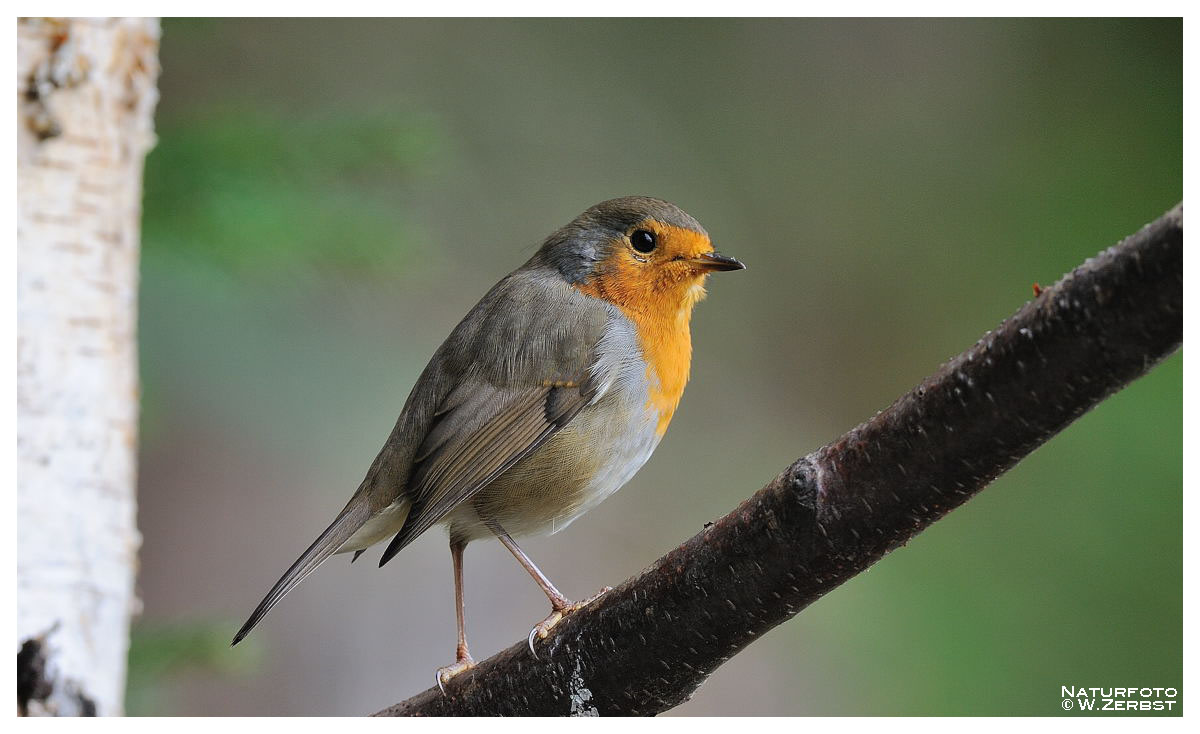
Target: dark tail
x=350, y=520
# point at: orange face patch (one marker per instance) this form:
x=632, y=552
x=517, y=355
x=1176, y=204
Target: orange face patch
x=657, y=291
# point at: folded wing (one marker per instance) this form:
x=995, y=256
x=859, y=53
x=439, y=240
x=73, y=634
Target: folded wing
x=479, y=432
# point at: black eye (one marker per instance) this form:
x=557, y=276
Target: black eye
x=642, y=241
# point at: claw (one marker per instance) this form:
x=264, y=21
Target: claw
x=541, y=630
x=533, y=652
x=443, y=675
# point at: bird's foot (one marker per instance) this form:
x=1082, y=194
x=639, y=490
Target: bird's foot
x=542, y=629
x=464, y=663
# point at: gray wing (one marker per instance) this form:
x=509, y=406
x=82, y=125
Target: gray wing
x=476, y=442
x=511, y=374
x=526, y=361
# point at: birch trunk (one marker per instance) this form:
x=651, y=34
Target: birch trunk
x=86, y=95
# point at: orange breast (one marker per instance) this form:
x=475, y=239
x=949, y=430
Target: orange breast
x=667, y=346
x=662, y=316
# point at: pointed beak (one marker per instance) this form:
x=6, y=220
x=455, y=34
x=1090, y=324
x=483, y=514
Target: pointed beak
x=714, y=261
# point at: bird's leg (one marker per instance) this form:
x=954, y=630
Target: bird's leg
x=463, y=660
x=560, y=605
x=557, y=600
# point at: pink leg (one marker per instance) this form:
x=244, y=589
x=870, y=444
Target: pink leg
x=463, y=660
x=557, y=600
x=560, y=605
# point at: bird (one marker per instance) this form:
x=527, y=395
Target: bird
x=549, y=395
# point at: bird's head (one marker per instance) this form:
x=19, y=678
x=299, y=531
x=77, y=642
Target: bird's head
x=638, y=253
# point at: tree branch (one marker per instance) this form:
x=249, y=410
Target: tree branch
x=647, y=645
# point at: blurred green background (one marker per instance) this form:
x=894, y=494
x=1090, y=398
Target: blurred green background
x=328, y=198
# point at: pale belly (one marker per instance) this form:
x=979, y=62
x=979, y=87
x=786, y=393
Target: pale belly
x=592, y=457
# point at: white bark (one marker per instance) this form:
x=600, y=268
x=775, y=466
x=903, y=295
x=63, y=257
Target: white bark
x=83, y=133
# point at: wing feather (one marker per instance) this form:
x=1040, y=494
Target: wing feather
x=502, y=426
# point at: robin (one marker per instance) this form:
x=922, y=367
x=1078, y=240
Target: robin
x=546, y=399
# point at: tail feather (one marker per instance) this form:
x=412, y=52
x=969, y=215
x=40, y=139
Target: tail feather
x=328, y=543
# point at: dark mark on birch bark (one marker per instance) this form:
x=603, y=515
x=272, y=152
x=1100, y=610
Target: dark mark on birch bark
x=37, y=684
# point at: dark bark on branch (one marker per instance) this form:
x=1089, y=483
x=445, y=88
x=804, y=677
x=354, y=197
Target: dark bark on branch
x=645, y=646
